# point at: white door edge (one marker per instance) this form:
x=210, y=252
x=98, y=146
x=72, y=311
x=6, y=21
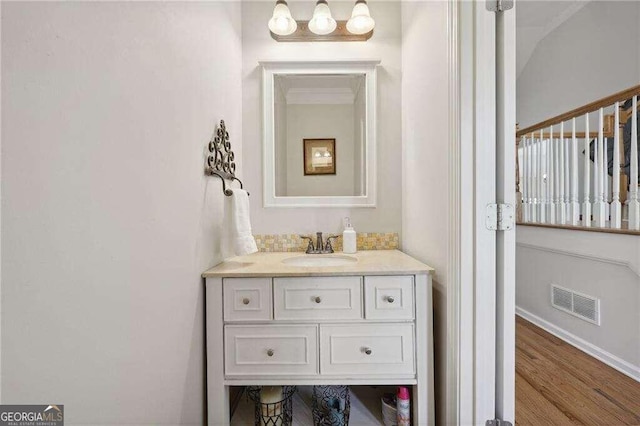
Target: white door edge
x=506, y=193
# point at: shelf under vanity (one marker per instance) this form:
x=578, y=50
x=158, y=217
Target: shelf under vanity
x=364, y=323
x=365, y=407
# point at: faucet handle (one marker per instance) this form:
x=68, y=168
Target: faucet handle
x=310, y=247
x=328, y=247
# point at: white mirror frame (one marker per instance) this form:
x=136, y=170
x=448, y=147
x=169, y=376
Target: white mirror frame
x=272, y=68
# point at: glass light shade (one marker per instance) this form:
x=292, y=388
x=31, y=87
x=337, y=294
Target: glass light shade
x=322, y=22
x=361, y=21
x=281, y=22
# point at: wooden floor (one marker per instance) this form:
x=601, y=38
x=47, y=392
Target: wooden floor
x=557, y=384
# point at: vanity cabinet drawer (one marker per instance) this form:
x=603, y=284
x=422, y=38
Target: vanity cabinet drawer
x=247, y=299
x=388, y=297
x=317, y=298
x=380, y=349
x=270, y=350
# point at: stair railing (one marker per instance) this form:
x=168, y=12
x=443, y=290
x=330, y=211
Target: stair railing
x=569, y=174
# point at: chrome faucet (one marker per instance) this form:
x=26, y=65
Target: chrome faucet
x=320, y=247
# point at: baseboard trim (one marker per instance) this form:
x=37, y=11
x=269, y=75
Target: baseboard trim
x=600, y=354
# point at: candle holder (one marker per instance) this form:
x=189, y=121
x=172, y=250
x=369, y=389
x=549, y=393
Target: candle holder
x=279, y=413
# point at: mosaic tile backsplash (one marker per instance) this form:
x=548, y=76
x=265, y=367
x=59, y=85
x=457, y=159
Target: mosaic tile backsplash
x=293, y=243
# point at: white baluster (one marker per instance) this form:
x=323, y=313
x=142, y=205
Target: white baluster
x=523, y=181
x=532, y=184
x=598, y=205
x=551, y=206
x=525, y=184
x=542, y=208
x=596, y=174
x=542, y=194
x=634, y=203
x=616, y=207
x=543, y=180
x=575, y=197
x=533, y=188
x=586, y=202
x=567, y=180
x=555, y=179
x=605, y=163
x=527, y=177
x=562, y=212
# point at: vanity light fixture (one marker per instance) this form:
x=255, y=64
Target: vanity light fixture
x=322, y=22
x=281, y=23
x=361, y=21
x=322, y=26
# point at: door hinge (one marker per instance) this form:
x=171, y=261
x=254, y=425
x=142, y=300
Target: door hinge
x=498, y=422
x=499, y=217
x=499, y=5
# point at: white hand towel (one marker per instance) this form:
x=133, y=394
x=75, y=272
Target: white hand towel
x=243, y=241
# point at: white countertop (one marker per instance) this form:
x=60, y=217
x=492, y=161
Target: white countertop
x=370, y=262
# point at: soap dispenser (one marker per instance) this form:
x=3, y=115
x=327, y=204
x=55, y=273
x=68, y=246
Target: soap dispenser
x=348, y=237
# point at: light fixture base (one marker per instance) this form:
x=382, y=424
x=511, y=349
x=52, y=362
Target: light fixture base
x=304, y=34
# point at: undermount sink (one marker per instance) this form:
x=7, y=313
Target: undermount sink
x=320, y=260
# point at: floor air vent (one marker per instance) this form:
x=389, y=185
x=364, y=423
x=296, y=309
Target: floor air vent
x=580, y=305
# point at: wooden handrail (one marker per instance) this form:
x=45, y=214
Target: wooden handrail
x=607, y=131
x=593, y=106
x=558, y=135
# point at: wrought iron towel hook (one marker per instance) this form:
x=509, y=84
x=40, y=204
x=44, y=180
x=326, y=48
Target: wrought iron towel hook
x=220, y=161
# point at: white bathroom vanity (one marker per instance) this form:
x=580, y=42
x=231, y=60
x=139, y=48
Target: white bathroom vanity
x=365, y=321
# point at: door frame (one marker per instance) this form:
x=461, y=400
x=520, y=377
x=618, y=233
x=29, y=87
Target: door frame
x=480, y=371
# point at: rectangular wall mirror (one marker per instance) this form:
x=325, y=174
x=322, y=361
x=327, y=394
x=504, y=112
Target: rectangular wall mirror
x=319, y=134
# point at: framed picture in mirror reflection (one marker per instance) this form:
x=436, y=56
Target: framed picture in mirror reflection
x=319, y=156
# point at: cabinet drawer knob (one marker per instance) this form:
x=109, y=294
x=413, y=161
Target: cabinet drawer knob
x=368, y=351
x=390, y=299
x=246, y=301
x=270, y=352
x=318, y=299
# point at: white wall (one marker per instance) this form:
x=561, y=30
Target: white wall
x=425, y=147
x=258, y=45
x=318, y=122
x=606, y=266
x=591, y=55
x=107, y=218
